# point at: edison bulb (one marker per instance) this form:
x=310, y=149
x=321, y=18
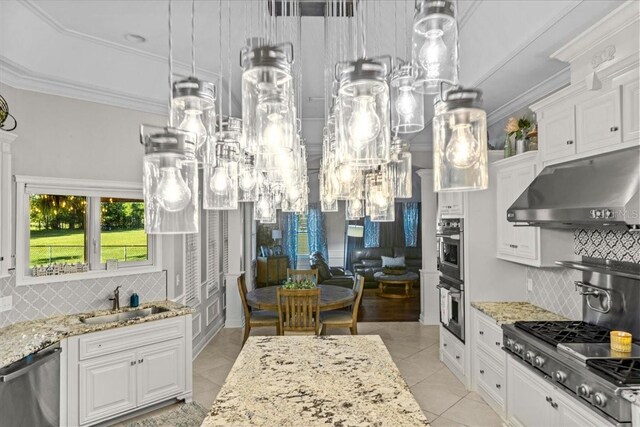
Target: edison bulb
x=192, y=122
x=173, y=193
x=463, y=150
x=247, y=180
x=364, y=123
x=345, y=173
x=293, y=194
x=355, y=207
x=380, y=200
x=220, y=181
x=263, y=207
x=273, y=134
x=277, y=198
x=433, y=53
x=406, y=103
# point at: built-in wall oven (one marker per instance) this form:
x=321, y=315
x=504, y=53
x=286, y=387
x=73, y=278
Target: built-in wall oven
x=450, y=243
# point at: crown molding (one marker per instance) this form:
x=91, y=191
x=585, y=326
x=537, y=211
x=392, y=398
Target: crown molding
x=546, y=87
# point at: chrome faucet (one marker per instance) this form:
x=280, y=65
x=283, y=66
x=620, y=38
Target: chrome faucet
x=116, y=299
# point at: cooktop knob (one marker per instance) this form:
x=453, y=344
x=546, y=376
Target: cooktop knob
x=608, y=213
x=518, y=348
x=529, y=356
x=584, y=390
x=539, y=361
x=560, y=376
x=600, y=399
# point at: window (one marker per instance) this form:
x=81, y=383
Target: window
x=303, y=235
x=69, y=230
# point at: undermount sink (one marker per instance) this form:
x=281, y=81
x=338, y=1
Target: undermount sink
x=125, y=315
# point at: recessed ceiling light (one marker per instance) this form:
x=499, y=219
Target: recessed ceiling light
x=134, y=38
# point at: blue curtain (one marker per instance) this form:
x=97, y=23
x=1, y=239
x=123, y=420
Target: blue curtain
x=289, y=226
x=411, y=215
x=371, y=233
x=317, y=231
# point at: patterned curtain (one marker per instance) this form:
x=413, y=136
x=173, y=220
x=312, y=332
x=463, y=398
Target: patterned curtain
x=316, y=231
x=371, y=233
x=411, y=215
x=289, y=226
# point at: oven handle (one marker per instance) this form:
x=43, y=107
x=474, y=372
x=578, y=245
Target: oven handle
x=449, y=289
x=454, y=236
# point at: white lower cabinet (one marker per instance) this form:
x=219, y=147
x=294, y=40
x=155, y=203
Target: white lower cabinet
x=534, y=402
x=452, y=354
x=105, y=380
x=488, y=364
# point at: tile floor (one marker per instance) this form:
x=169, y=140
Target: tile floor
x=413, y=347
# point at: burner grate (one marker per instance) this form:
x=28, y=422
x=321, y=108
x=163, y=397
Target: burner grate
x=556, y=333
x=621, y=371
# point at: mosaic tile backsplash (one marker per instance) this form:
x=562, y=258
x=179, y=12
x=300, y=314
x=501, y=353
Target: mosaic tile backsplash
x=553, y=289
x=616, y=245
x=51, y=299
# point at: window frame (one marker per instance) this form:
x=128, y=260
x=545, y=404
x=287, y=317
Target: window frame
x=93, y=190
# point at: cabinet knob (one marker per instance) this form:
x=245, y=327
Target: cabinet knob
x=482, y=371
x=481, y=332
x=554, y=405
x=569, y=142
x=498, y=386
x=548, y=398
x=498, y=343
x=444, y=345
x=614, y=129
x=141, y=360
x=458, y=357
x=133, y=362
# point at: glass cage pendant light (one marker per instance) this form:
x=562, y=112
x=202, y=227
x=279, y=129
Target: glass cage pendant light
x=354, y=209
x=220, y=182
x=362, y=119
x=460, y=142
x=193, y=110
x=247, y=178
x=435, y=45
x=380, y=198
x=170, y=180
x=263, y=209
x=401, y=172
x=407, y=106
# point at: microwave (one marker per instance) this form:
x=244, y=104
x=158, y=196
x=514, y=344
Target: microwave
x=450, y=249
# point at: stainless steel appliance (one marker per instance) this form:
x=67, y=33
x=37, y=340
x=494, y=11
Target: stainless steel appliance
x=30, y=390
x=597, y=191
x=450, y=241
x=575, y=355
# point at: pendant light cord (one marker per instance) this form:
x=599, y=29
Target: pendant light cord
x=220, y=50
x=229, y=83
x=170, y=58
x=193, y=38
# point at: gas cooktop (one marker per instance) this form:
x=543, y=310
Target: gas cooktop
x=622, y=371
x=559, y=332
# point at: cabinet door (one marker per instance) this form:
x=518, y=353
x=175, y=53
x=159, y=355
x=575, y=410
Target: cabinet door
x=598, y=121
x=557, y=133
x=528, y=397
x=631, y=111
x=161, y=371
x=525, y=237
x=574, y=414
x=505, y=197
x=107, y=387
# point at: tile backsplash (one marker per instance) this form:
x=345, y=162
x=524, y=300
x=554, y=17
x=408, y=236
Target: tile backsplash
x=553, y=289
x=78, y=296
x=616, y=245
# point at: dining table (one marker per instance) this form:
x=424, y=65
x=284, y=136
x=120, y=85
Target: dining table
x=331, y=298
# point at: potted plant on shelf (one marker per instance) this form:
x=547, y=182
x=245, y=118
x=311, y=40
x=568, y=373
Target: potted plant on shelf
x=516, y=131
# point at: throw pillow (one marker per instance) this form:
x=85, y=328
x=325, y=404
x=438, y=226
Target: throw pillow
x=393, y=262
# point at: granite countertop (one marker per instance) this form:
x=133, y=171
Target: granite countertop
x=309, y=381
x=514, y=311
x=21, y=339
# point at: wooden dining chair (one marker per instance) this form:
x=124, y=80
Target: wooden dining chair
x=260, y=318
x=298, y=275
x=299, y=310
x=345, y=319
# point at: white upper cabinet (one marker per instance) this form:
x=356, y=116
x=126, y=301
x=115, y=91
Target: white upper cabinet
x=557, y=128
x=631, y=110
x=451, y=204
x=598, y=121
x=6, y=139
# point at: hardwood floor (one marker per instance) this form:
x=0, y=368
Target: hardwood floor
x=378, y=309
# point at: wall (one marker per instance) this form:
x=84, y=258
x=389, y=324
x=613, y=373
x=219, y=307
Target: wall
x=553, y=288
x=63, y=137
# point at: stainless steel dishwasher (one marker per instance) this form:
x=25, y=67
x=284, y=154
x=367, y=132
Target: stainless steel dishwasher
x=30, y=390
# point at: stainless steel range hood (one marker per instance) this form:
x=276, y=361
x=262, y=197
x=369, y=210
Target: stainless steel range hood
x=598, y=191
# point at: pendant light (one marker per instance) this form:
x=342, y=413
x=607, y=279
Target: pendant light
x=170, y=171
x=407, y=109
x=435, y=45
x=401, y=172
x=363, y=116
x=354, y=209
x=220, y=182
x=170, y=180
x=379, y=195
x=247, y=178
x=460, y=141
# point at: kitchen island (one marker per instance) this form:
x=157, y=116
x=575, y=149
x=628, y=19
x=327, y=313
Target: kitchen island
x=307, y=381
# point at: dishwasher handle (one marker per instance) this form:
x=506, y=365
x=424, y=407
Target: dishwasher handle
x=10, y=376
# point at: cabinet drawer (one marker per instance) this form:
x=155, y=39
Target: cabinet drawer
x=489, y=335
x=491, y=378
x=120, y=339
x=452, y=350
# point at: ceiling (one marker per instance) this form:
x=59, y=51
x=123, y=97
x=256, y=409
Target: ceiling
x=77, y=48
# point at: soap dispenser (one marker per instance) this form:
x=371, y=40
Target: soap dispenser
x=134, y=301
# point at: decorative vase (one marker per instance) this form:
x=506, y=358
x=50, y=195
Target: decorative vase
x=521, y=145
x=507, y=147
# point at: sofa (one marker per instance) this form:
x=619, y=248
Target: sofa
x=368, y=261
x=330, y=275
